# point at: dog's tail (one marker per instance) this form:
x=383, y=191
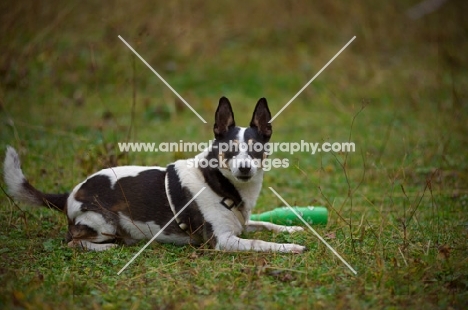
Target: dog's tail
x=21, y=189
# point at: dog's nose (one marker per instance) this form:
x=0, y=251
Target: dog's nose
x=244, y=170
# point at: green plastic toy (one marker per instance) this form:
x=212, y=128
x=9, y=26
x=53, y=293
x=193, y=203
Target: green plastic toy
x=284, y=216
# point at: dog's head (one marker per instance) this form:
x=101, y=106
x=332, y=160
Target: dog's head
x=241, y=150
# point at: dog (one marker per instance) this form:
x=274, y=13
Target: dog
x=125, y=204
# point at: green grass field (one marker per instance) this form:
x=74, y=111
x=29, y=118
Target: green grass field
x=70, y=90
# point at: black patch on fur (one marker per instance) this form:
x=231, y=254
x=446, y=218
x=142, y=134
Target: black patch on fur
x=198, y=229
x=260, y=119
x=55, y=201
x=141, y=198
x=224, y=118
x=221, y=185
x=253, y=135
x=230, y=136
x=179, y=195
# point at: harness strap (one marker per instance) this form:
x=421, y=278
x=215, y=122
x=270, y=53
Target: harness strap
x=183, y=226
x=229, y=204
x=231, y=200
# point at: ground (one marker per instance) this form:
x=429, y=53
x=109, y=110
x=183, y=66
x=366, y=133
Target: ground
x=71, y=90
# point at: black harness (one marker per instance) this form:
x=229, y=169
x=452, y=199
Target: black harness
x=178, y=197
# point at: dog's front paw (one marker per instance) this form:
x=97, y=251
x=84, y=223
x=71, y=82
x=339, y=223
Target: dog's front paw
x=291, y=229
x=293, y=248
x=90, y=246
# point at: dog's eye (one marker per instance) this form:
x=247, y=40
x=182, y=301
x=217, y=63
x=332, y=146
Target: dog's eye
x=256, y=147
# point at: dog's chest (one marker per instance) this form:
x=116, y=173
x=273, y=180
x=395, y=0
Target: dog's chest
x=221, y=202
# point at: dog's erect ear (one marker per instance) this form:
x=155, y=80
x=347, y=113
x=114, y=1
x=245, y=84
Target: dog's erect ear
x=261, y=117
x=224, y=118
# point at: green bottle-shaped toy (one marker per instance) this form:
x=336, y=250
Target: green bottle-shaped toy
x=284, y=216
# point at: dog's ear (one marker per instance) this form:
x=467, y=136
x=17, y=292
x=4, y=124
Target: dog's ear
x=224, y=118
x=260, y=119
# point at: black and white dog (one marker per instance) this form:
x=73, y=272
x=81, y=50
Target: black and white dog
x=130, y=203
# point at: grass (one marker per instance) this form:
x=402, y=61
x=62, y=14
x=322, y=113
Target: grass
x=398, y=205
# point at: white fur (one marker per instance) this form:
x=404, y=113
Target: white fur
x=258, y=225
x=146, y=230
x=14, y=177
x=97, y=222
x=73, y=205
x=241, y=159
x=90, y=246
x=219, y=217
x=230, y=242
